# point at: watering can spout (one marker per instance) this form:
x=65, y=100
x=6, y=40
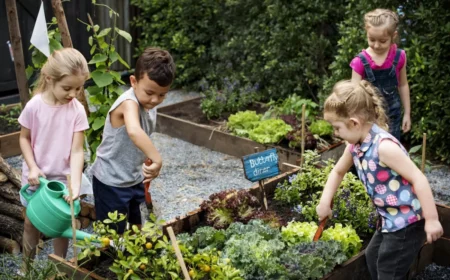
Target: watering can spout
x=80, y=235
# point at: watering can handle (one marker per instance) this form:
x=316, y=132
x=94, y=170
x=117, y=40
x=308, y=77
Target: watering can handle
x=321, y=227
x=76, y=202
x=23, y=190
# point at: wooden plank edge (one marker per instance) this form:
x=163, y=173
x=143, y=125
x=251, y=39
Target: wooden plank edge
x=9, y=145
x=72, y=271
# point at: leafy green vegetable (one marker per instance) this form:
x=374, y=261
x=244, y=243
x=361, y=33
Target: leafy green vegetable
x=347, y=236
x=321, y=128
x=269, y=131
x=352, y=205
x=292, y=105
x=312, y=260
x=242, y=122
x=228, y=206
x=297, y=232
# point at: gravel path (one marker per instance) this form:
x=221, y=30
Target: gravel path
x=191, y=173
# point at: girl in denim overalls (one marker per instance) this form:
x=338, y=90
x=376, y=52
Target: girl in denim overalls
x=398, y=189
x=384, y=65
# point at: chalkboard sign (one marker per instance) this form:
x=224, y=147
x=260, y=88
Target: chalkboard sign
x=261, y=165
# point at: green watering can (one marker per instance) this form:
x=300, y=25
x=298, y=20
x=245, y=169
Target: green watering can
x=49, y=212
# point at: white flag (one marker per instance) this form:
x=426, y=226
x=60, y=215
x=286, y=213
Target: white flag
x=39, y=38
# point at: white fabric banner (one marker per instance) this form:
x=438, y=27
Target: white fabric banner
x=39, y=38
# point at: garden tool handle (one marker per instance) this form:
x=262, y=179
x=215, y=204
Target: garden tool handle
x=148, y=198
x=321, y=227
x=23, y=190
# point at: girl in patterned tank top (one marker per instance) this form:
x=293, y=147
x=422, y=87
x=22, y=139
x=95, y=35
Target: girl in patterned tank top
x=399, y=190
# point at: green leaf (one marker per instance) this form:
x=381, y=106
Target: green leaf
x=104, y=32
x=123, y=62
x=101, y=79
x=110, y=13
x=415, y=149
x=54, y=45
x=124, y=34
x=92, y=49
x=99, y=123
x=90, y=40
x=29, y=71
x=96, y=28
x=98, y=58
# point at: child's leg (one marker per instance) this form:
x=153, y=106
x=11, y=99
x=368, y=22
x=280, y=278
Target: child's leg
x=109, y=199
x=134, y=212
x=30, y=241
x=398, y=251
x=372, y=254
x=60, y=246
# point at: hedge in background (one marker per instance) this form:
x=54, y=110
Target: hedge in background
x=284, y=46
x=425, y=36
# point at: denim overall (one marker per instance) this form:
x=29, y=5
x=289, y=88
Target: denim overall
x=386, y=82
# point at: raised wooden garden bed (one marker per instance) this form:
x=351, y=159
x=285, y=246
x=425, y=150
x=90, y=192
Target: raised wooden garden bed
x=210, y=137
x=9, y=139
x=354, y=268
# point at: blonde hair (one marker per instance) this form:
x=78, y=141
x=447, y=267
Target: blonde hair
x=361, y=99
x=382, y=17
x=62, y=63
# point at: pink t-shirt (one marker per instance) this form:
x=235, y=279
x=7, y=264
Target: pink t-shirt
x=357, y=65
x=52, y=129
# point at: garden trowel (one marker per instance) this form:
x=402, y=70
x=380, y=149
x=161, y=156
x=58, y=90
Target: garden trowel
x=321, y=227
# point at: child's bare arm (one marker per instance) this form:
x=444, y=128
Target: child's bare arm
x=28, y=155
x=393, y=157
x=403, y=90
x=356, y=78
x=334, y=180
x=130, y=111
x=76, y=163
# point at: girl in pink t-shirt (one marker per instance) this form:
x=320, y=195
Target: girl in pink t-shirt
x=384, y=65
x=52, y=134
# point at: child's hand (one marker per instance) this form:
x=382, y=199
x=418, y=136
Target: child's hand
x=151, y=172
x=323, y=211
x=434, y=230
x=33, y=176
x=406, y=125
x=74, y=197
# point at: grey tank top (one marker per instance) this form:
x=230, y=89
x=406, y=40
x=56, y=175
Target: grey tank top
x=119, y=161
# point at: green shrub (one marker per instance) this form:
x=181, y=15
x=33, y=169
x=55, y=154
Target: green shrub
x=424, y=34
x=284, y=46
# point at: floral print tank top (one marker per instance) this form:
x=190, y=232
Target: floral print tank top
x=393, y=196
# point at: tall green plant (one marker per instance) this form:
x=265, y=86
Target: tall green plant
x=107, y=82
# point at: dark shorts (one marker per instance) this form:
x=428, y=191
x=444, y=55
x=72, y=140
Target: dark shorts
x=125, y=200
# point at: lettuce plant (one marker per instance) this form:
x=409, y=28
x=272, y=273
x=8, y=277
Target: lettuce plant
x=347, y=236
x=242, y=122
x=269, y=131
x=321, y=128
x=229, y=206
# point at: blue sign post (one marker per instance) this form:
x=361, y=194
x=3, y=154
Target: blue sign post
x=260, y=166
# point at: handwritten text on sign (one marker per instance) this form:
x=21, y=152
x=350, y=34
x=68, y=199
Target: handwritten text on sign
x=261, y=165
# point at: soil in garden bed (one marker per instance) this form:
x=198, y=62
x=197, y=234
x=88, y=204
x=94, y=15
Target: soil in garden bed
x=8, y=120
x=191, y=111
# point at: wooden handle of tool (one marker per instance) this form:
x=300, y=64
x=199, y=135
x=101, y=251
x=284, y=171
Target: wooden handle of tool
x=148, y=198
x=74, y=227
x=321, y=227
x=178, y=252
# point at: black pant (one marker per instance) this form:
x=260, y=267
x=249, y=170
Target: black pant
x=123, y=200
x=390, y=255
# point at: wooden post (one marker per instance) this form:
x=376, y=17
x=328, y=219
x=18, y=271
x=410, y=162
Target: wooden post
x=58, y=10
x=74, y=224
x=62, y=23
x=303, y=135
x=424, y=149
x=178, y=252
x=16, y=42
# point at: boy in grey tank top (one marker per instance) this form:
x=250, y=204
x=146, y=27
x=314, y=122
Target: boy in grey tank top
x=119, y=170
